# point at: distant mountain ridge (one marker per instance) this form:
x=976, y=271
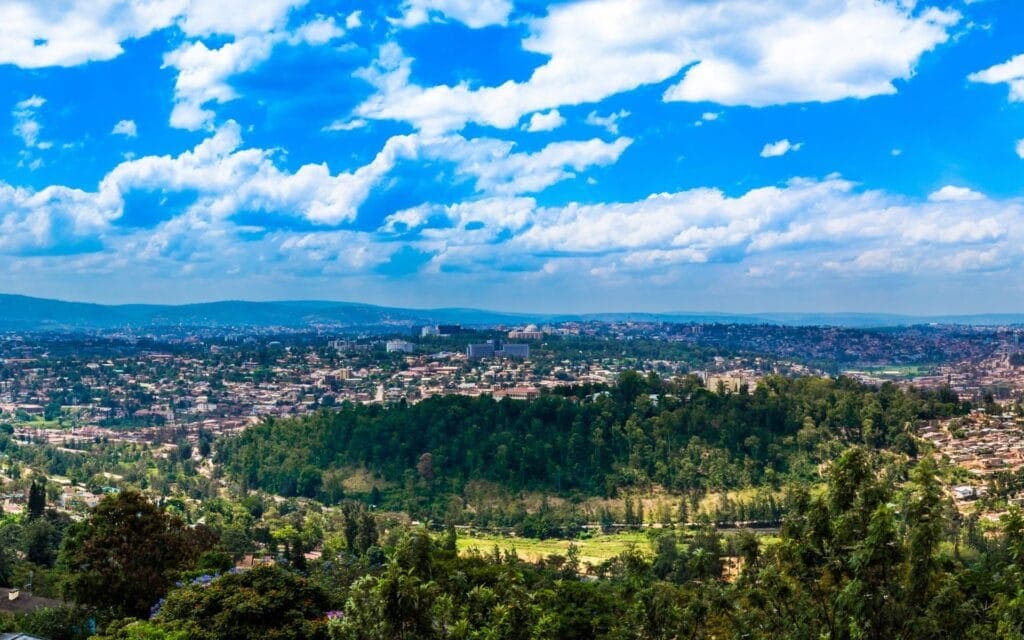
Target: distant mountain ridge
x=24, y=313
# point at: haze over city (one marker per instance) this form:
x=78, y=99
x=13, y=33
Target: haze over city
x=727, y=155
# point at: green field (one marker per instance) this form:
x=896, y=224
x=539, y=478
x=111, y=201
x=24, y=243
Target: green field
x=593, y=550
x=901, y=371
x=37, y=424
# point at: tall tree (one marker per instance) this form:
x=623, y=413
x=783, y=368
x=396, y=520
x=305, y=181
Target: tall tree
x=36, y=499
x=127, y=554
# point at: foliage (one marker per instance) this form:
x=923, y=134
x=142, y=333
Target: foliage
x=126, y=555
x=641, y=432
x=265, y=602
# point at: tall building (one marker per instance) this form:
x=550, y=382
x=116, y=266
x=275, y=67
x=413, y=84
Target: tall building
x=482, y=350
x=399, y=346
x=514, y=351
x=495, y=349
x=429, y=330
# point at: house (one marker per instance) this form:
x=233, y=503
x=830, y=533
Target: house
x=965, y=492
x=14, y=601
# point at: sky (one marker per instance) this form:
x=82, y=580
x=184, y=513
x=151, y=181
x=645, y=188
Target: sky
x=594, y=155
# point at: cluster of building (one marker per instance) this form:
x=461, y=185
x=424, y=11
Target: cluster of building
x=980, y=442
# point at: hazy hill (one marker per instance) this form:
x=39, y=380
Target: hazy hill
x=28, y=313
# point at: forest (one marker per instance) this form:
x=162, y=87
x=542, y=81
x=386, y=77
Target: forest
x=583, y=441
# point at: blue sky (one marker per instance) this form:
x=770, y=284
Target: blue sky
x=600, y=155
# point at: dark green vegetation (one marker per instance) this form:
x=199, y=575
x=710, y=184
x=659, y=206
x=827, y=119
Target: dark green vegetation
x=868, y=545
x=582, y=442
x=880, y=554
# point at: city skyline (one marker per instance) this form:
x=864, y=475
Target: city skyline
x=607, y=155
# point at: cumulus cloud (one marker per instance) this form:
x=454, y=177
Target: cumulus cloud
x=203, y=18
x=1010, y=72
x=203, y=73
x=51, y=217
x=45, y=34
x=224, y=179
x=735, y=52
x=65, y=34
x=803, y=227
x=545, y=121
x=126, y=128
x=317, y=32
x=779, y=148
x=1020, y=149
x=951, y=193
x=473, y=13
x=806, y=224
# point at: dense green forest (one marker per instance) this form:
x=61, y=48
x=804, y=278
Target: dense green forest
x=644, y=431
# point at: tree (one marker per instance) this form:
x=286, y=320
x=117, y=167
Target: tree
x=925, y=516
x=36, y=499
x=39, y=540
x=126, y=555
x=264, y=602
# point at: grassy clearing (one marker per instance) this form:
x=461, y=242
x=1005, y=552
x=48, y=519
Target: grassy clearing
x=593, y=550
x=37, y=424
x=360, y=480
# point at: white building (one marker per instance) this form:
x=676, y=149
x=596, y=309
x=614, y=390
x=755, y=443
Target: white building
x=399, y=346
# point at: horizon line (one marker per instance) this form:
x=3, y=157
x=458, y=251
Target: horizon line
x=745, y=314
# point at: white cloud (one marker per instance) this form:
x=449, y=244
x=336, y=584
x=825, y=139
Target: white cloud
x=47, y=34
x=707, y=116
x=227, y=179
x=1020, y=149
x=545, y=121
x=346, y=125
x=734, y=52
x=1010, y=72
x=26, y=126
x=472, y=13
x=804, y=226
x=54, y=216
x=205, y=18
x=801, y=229
x=815, y=53
x=203, y=74
x=41, y=34
x=951, y=193
x=126, y=128
x=779, y=148
x=609, y=122
x=317, y=32
x=498, y=170
x=354, y=20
